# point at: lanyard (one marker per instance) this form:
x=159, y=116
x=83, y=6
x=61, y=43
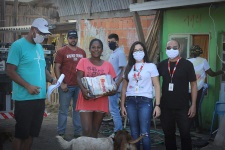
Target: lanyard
x=171, y=74
x=136, y=76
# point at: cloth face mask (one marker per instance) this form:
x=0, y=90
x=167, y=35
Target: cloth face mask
x=172, y=53
x=138, y=56
x=112, y=45
x=38, y=39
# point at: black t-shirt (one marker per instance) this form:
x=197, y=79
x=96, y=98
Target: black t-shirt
x=184, y=73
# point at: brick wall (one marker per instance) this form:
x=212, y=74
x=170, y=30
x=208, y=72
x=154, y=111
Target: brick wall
x=101, y=28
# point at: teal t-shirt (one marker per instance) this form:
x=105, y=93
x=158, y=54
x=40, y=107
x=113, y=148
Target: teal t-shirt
x=30, y=61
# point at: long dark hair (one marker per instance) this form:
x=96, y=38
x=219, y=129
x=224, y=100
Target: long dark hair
x=132, y=61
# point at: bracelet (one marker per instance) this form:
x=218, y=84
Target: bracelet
x=158, y=105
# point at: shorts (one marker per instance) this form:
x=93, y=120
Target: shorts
x=29, y=116
x=91, y=111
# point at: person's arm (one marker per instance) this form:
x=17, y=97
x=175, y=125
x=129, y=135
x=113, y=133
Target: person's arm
x=211, y=73
x=120, y=79
x=122, y=65
x=57, y=70
x=11, y=72
x=157, y=110
x=85, y=92
x=123, y=97
x=57, y=74
x=49, y=77
x=192, y=109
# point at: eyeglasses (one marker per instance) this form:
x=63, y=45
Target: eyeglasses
x=45, y=36
x=42, y=34
x=174, y=47
x=138, y=50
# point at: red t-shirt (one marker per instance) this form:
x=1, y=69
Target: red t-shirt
x=90, y=70
x=69, y=59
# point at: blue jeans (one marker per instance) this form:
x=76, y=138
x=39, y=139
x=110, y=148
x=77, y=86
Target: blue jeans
x=115, y=112
x=64, y=101
x=139, y=111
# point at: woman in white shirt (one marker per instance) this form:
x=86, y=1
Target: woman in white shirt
x=202, y=68
x=137, y=93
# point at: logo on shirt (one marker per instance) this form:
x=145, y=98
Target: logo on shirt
x=75, y=57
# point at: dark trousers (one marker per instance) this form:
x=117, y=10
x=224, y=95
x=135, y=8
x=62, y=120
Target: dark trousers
x=195, y=120
x=169, y=119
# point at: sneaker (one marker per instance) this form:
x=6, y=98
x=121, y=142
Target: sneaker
x=62, y=135
x=108, y=117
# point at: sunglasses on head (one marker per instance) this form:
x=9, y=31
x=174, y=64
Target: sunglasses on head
x=174, y=47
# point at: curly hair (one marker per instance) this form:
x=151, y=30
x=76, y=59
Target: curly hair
x=196, y=50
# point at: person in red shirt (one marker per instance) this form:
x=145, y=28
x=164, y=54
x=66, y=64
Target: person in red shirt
x=93, y=109
x=66, y=61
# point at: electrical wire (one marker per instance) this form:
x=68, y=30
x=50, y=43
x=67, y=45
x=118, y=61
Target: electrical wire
x=214, y=27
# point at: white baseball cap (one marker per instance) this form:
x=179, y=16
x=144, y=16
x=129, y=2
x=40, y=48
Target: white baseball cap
x=41, y=24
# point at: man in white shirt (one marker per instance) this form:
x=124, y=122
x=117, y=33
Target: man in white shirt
x=202, y=68
x=118, y=60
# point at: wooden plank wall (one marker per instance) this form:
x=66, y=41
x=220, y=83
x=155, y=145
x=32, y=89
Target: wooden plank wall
x=26, y=15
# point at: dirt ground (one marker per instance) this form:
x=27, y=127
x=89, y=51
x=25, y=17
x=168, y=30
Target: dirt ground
x=47, y=140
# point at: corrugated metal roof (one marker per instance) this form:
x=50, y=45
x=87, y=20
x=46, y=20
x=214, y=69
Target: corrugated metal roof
x=20, y=28
x=15, y=28
x=77, y=7
x=74, y=7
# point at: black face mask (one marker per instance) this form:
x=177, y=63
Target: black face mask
x=112, y=45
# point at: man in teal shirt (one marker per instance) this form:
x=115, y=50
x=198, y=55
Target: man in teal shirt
x=26, y=67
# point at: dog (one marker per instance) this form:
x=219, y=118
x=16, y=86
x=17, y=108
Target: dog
x=123, y=141
x=87, y=143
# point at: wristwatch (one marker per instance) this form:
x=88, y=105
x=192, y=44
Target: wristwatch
x=157, y=105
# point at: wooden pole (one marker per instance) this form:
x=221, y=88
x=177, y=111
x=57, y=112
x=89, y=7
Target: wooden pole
x=15, y=22
x=139, y=29
x=2, y=19
x=89, y=9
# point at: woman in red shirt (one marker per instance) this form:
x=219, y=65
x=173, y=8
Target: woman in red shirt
x=91, y=109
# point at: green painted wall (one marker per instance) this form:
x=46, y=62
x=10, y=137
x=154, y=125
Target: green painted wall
x=197, y=21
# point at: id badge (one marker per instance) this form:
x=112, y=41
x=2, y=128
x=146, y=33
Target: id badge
x=171, y=86
x=136, y=89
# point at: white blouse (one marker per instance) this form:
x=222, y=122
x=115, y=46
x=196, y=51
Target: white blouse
x=144, y=85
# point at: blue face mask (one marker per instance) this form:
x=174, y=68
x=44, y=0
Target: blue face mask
x=112, y=45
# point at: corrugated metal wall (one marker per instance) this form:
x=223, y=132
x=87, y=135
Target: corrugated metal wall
x=73, y=7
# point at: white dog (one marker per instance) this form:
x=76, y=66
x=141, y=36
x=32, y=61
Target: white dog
x=87, y=143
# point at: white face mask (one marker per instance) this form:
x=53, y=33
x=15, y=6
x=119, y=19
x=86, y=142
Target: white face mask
x=172, y=53
x=38, y=39
x=138, y=56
